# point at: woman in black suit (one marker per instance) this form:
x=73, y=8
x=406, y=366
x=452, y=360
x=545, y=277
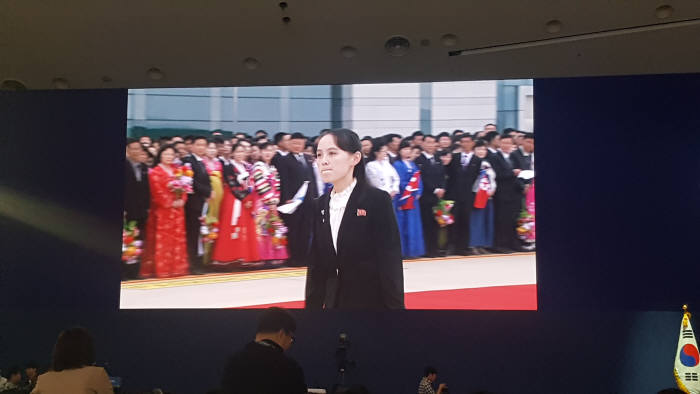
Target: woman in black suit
x=355, y=258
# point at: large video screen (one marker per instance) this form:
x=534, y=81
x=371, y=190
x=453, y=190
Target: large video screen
x=365, y=196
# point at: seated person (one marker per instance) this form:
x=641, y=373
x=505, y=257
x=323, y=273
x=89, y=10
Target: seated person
x=261, y=367
x=13, y=383
x=426, y=384
x=71, y=369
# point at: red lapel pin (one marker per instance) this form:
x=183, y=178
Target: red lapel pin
x=361, y=212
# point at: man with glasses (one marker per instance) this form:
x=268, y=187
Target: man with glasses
x=262, y=366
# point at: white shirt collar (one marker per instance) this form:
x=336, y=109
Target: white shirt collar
x=391, y=154
x=345, y=194
x=492, y=150
x=523, y=151
x=428, y=156
x=197, y=157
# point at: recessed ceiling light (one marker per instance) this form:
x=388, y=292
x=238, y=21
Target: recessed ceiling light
x=60, y=83
x=397, y=46
x=553, y=26
x=251, y=63
x=664, y=11
x=13, y=85
x=155, y=74
x=449, y=40
x=348, y=51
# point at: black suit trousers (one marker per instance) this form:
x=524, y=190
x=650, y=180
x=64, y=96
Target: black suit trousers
x=505, y=223
x=430, y=227
x=459, y=233
x=193, y=211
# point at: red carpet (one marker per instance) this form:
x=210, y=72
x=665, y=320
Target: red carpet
x=520, y=297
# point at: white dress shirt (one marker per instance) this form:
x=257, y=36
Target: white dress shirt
x=336, y=209
x=382, y=175
x=466, y=158
x=197, y=157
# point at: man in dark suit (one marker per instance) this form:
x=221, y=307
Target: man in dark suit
x=524, y=155
x=195, y=201
x=295, y=168
x=463, y=171
x=261, y=366
x=392, y=144
x=137, y=195
x=493, y=140
x=366, y=142
x=433, y=176
x=508, y=198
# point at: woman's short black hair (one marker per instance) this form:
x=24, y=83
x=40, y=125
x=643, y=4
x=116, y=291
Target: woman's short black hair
x=73, y=349
x=264, y=145
x=348, y=141
x=479, y=143
x=275, y=319
x=161, y=150
x=405, y=143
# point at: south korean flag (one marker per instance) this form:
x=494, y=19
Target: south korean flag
x=687, y=368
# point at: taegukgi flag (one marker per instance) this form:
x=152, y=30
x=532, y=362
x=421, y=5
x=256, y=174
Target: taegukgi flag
x=687, y=365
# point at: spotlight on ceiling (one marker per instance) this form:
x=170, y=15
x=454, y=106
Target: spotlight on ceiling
x=449, y=40
x=553, y=26
x=12, y=85
x=251, y=63
x=60, y=83
x=348, y=51
x=155, y=74
x=664, y=11
x=397, y=46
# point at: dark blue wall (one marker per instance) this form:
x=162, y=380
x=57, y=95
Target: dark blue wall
x=618, y=197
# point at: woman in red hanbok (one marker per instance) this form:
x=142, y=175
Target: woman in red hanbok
x=237, y=239
x=165, y=253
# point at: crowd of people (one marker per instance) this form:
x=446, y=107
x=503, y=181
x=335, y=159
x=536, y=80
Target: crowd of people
x=199, y=203
x=16, y=382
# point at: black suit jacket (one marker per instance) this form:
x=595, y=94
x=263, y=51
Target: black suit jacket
x=137, y=195
x=521, y=161
x=508, y=188
x=461, y=178
x=433, y=176
x=262, y=368
x=367, y=270
x=292, y=176
x=201, y=184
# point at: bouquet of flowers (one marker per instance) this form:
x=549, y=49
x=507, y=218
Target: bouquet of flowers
x=208, y=231
x=131, y=247
x=271, y=225
x=442, y=212
x=526, y=226
x=182, y=180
